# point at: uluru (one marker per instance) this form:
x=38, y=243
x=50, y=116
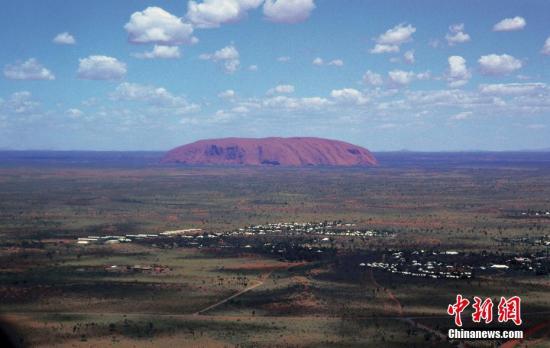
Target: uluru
x=273, y=151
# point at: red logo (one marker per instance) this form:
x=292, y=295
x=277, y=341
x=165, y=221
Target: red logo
x=508, y=310
x=483, y=310
x=457, y=309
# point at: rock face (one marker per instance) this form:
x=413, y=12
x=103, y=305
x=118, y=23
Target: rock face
x=271, y=152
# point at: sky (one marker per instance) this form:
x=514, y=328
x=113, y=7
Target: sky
x=426, y=75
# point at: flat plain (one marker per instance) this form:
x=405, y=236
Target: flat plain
x=286, y=257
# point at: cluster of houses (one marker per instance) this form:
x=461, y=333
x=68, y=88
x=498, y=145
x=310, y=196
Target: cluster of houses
x=127, y=238
x=314, y=241
x=106, y=239
x=526, y=240
x=420, y=264
x=538, y=263
x=154, y=269
x=530, y=213
x=328, y=228
x=538, y=213
x=452, y=264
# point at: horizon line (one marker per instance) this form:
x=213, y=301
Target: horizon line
x=373, y=151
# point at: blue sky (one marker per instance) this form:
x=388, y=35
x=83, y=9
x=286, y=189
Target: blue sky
x=387, y=75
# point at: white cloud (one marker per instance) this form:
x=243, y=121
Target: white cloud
x=213, y=13
x=30, y=69
x=283, y=59
x=349, y=96
x=426, y=75
x=379, y=48
x=546, y=48
x=513, y=88
x=288, y=11
x=289, y=103
x=397, y=35
x=462, y=115
x=318, y=61
x=160, y=52
x=501, y=101
x=313, y=102
x=494, y=64
x=20, y=108
x=281, y=89
x=240, y=110
x=373, y=79
x=155, y=25
x=227, y=94
x=74, y=113
x=228, y=56
x=390, y=41
x=137, y=92
x=388, y=125
x=457, y=35
x=394, y=105
x=400, y=77
x=101, y=68
x=336, y=62
x=445, y=98
x=64, y=39
x=155, y=96
x=409, y=57
x=458, y=74
x=253, y=68
x=434, y=43
x=529, y=103
x=510, y=24
x=19, y=103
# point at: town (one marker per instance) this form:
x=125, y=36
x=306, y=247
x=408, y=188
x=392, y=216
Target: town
x=530, y=213
x=309, y=241
x=452, y=264
x=326, y=228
